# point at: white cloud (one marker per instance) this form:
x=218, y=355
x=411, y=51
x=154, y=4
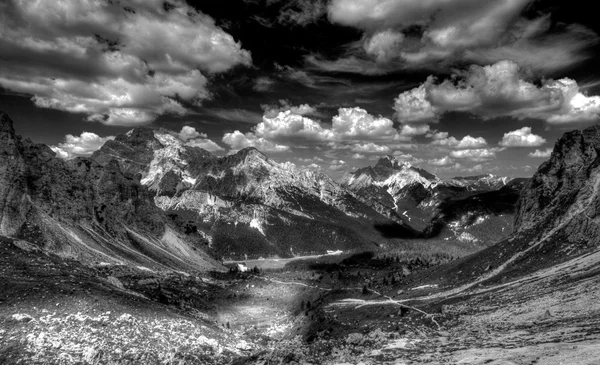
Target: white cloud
x=188, y=133
x=356, y=124
x=457, y=30
x=444, y=161
x=237, y=140
x=498, y=90
x=408, y=130
x=467, y=142
x=205, y=143
x=119, y=65
x=77, y=146
x=461, y=169
x=271, y=111
x=436, y=135
x=370, y=147
x=521, y=138
x=288, y=126
x=358, y=156
x=382, y=44
x=193, y=138
x=541, y=153
x=313, y=159
x=314, y=166
x=413, y=106
x=476, y=155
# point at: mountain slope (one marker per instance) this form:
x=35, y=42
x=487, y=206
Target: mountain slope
x=87, y=211
x=245, y=203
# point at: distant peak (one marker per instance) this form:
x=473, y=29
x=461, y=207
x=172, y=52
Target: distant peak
x=250, y=151
x=392, y=162
x=144, y=133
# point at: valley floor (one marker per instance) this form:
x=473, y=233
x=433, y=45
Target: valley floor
x=56, y=311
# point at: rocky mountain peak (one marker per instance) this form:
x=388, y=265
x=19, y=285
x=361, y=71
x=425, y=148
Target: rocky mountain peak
x=6, y=124
x=142, y=137
x=564, y=190
x=245, y=156
x=390, y=162
x=7, y=134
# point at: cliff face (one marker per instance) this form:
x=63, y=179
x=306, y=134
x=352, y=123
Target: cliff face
x=13, y=187
x=562, y=196
x=82, y=209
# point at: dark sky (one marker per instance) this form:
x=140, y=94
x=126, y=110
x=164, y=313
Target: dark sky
x=457, y=87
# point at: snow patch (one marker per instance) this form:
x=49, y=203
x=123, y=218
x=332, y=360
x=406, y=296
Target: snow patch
x=256, y=224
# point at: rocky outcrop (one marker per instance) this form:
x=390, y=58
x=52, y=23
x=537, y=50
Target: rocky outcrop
x=13, y=186
x=85, y=210
x=562, y=199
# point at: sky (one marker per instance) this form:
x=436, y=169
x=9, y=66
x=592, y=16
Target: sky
x=457, y=87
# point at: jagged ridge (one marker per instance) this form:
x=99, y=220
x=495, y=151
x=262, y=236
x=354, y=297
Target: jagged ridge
x=85, y=210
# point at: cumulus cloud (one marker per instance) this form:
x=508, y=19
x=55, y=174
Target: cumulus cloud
x=119, y=65
x=370, y=147
x=205, y=143
x=437, y=135
x=382, y=44
x=476, y=155
x=78, y=146
x=272, y=111
x=413, y=106
x=238, y=140
x=414, y=130
x=498, y=90
x=541, y=153
x=444, y=161
x=193, y=138
x=188, y=133
x=287, y=125
x=521, y=138
x=458, y=30
x=357, y=156
x=357, y=124
x=465, y=143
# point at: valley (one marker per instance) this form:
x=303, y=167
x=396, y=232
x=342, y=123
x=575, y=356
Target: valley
x=61, y=312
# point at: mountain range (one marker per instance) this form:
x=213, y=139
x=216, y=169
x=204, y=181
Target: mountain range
x=148, y=191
